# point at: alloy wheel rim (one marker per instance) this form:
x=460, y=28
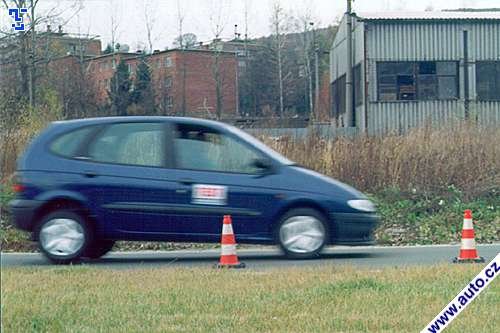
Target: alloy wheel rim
x=302, y=234
x=62, y=237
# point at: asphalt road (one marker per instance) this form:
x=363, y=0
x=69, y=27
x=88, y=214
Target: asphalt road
x=370, y=256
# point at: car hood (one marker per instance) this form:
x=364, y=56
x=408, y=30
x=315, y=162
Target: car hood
x=313, y=181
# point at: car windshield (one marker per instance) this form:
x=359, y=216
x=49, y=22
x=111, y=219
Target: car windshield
x=259, y=145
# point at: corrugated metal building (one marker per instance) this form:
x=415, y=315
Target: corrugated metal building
x=413, y=68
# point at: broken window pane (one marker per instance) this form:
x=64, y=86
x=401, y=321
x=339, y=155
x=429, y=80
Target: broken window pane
x=488, y=80
x=446, y=68
x=427, y=67
x=427, y=87
x=447, y=87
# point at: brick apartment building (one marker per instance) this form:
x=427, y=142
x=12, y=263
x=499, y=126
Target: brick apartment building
x=184, y=81
x=51, y=44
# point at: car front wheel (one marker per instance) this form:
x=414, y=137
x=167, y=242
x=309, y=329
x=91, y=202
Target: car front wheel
x=302, y=233
x=63, y=236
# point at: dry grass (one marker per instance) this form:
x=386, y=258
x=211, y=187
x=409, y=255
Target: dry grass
x=464, y=156
x=323, y=299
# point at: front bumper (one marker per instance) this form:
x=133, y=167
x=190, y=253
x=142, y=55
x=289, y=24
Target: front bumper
x=23, y=212
x=353, y=228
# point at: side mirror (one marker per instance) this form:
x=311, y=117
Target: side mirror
x=264, y=165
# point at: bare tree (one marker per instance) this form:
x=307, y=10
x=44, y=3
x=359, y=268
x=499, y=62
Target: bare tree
x=305, y=20
x=149, y=12
x=114, y=24
x=25, y=45
x=279, y=28
x=218, y=20
x=180, y=23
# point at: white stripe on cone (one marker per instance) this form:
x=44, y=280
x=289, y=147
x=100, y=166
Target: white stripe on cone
x=468, y=244
x=468, y=224
x=228, y=249
x=227, y=229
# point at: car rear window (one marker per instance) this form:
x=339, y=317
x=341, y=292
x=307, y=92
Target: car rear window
x=67, y=144
x=130, y=144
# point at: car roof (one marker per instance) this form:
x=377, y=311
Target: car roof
x=108, y=120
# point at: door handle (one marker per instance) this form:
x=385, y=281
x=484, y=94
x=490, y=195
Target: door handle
x=90, y=174
x=186, y=181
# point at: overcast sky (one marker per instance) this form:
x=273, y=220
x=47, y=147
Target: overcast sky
x=95, y=16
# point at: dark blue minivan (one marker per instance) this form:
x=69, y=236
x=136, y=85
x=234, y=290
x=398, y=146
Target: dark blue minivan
x=84, y=184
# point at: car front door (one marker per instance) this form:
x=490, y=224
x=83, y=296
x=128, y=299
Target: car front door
x=217, y=175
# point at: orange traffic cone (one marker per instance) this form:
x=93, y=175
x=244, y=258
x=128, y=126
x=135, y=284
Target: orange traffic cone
x=468, y=252
x=228, y=257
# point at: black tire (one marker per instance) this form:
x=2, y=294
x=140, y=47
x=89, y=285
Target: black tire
x=309, y=212
x=99, y=248
x=72, y=218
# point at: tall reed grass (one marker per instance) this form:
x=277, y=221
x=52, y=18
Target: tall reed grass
x=463, y=156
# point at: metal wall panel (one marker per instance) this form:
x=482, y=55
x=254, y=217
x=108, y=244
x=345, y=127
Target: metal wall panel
x=324, y=131
x=338, y=60
x=399, y=117
x=487, y=113
x=414, y=41
x=484, y=40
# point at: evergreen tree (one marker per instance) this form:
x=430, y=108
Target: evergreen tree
x=108, y=49
x=119, y=92
x=143, y=95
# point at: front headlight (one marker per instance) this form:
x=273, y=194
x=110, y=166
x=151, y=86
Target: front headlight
x=362, y=204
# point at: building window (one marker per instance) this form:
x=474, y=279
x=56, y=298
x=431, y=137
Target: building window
x=241, y=53
x=488, y=80
x=168, y=82
x=338, y=96
x=358, y=89
x=168, y=102
x=168, y=61
x=422, y=80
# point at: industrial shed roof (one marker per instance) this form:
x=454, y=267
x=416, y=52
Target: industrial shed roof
x=438, y=15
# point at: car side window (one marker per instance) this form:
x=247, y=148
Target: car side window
x=67, y=145
x=130, y=143
x=199, y=148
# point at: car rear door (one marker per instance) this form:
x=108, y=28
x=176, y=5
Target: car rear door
x=124, y=174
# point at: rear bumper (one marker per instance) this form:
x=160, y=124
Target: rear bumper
x=23, y=213
x=353, y=228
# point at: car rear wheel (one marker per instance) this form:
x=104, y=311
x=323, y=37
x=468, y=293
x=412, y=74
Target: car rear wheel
x=302, y=233
x=99, y=248
x=63, y=236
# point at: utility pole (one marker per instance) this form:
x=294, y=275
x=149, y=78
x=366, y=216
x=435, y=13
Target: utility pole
x=236, y=39
x=31, y=72
x=348, y=82
x=316, y=77
x=309, y=71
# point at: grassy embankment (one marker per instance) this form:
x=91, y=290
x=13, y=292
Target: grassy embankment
x=326, y=299
x=421, y=181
